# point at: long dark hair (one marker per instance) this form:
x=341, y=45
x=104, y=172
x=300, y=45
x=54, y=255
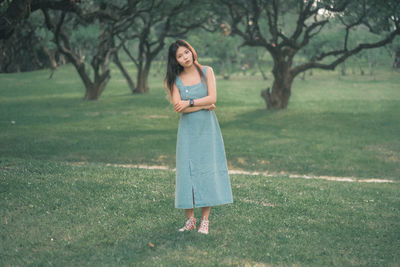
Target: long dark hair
x=174, y=68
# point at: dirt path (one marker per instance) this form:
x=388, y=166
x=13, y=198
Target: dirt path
x=267, y=174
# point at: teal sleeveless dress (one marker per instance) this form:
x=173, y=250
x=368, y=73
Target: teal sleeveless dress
x=202, y=177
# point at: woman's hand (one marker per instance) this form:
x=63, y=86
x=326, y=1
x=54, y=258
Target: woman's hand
x=181, y=105
x=212, y=107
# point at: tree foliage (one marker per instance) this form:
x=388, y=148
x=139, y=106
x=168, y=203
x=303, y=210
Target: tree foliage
x=143, y=36
x=298, y=35
x=284, y=28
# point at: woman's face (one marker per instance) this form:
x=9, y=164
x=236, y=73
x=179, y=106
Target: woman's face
x=184, y=56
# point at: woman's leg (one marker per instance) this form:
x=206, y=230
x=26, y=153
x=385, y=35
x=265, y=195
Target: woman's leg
x=191, y=221
x=205, y=211
x=189, y=213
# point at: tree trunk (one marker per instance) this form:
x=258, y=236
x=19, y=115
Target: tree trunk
x=361, y=69
x=224, y=69
x=35, y=59
x=396, y=62
x=124, y=72
x=258, y=62
x=94, y=90
x=143, y=73
x=343, y=69
x=278, y=97
x=265, y=77
x=51, y=57
x=303, y=77
x=91, y=93
x=90, y=90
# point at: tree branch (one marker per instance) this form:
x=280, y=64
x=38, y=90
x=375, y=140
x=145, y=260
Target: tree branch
x=130, y=55
x=343, y=55
x=62, y=5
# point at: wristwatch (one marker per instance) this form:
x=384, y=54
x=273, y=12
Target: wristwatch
x=191, y=102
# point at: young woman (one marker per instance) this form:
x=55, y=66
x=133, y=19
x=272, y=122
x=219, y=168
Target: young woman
x=202, y=178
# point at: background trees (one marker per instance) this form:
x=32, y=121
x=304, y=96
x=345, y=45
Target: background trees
x=284, y=28
x=29, y=48
x=394, y=51
x=233, y=36
x=95, y=48
x=144, y=35
x=14, y=12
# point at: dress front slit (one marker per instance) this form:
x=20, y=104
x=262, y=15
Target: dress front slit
x=191, y=181
x=194, y=204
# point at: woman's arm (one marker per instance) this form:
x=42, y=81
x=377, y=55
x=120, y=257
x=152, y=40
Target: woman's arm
x=176, y=98
x=210, y=99
x=193, y=109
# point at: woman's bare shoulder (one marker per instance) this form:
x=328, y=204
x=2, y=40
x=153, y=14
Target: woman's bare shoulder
x=209, y=69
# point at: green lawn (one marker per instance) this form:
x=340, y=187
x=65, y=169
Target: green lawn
x=59, y=214
x=346, y=127
x=61, y=204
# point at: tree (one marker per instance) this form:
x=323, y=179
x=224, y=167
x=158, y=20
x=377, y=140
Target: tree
x=255, y=59
x=284, y=28
x=143, y=36
x=28, y=48
x=99, y=47
x=15, y=11
x=394, y=51
x=60, y=18
x=221, y=48
x=19, y=38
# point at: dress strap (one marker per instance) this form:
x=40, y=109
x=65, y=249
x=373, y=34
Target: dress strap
x=178, y=80
x=205, y=71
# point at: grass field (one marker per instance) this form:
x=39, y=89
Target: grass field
x=347, y=127
x=61, y=204
x=59, y=214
